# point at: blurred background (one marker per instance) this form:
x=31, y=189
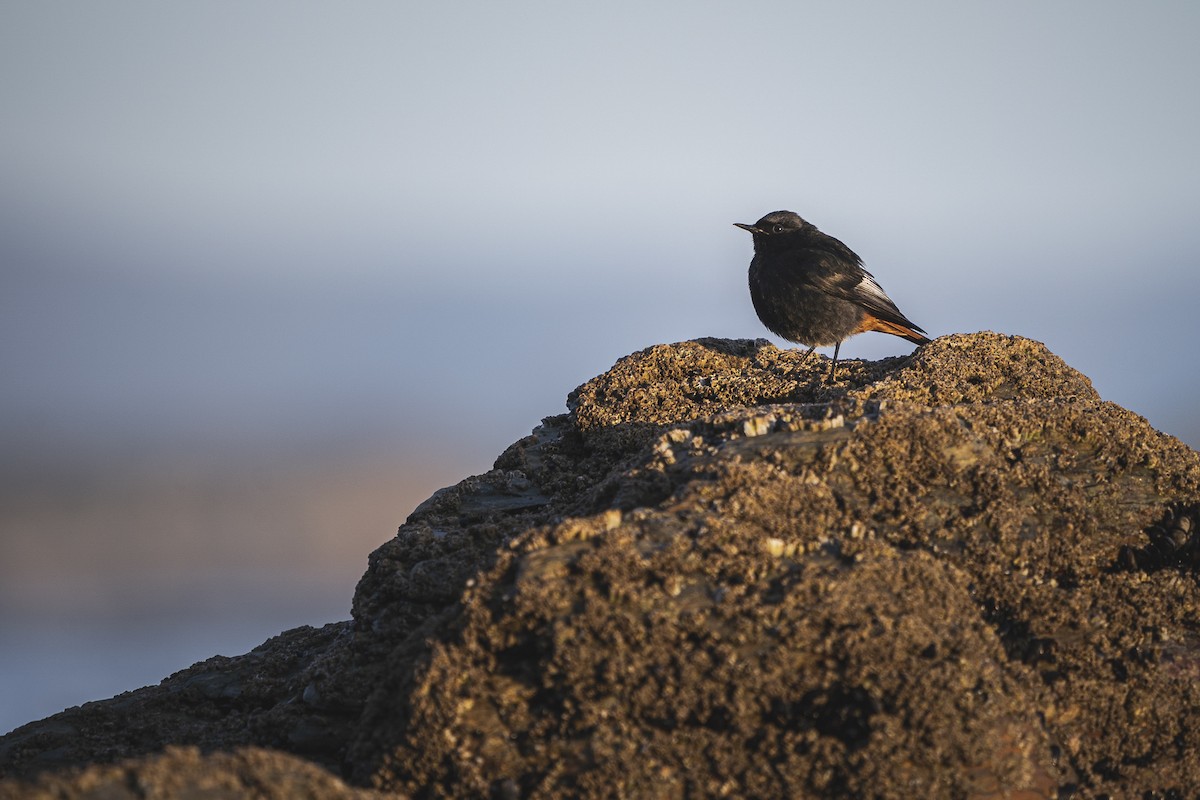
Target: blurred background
x=271, y=273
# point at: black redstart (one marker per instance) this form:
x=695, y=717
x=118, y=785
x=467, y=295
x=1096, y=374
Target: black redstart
x=810, y=288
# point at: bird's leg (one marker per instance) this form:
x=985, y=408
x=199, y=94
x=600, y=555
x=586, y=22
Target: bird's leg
x=833, y=366
x=808, y=353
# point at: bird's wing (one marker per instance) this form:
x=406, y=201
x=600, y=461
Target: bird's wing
x=849, y=281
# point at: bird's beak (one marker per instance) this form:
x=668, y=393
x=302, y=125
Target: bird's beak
x=746, y=227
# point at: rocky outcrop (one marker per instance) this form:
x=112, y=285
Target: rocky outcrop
x=955, y=574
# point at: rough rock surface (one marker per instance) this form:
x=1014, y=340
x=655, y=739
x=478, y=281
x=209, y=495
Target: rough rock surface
x=182, y=773
x=957, y=574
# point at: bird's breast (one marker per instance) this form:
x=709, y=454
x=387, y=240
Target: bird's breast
x=790, y=305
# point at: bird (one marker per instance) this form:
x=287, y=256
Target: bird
x=810, y=288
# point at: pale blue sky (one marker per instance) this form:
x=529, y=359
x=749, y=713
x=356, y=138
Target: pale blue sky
x=1028, y=167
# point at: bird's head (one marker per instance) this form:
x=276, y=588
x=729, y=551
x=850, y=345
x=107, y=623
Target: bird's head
x=776, y=223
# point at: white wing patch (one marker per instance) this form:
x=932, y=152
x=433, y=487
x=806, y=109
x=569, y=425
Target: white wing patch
x=869, y=288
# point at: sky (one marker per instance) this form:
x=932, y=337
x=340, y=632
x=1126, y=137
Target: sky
x=274, y=271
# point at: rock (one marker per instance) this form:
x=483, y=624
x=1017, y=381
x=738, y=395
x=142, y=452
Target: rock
x=182, y=773
x=219, y=703
x=959, y=573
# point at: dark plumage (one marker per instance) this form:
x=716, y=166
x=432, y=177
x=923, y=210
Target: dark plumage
x=810, y=288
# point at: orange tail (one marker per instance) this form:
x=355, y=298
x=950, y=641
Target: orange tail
x=873, y=323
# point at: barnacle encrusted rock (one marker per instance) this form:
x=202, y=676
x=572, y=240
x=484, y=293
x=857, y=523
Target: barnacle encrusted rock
x=959, y=573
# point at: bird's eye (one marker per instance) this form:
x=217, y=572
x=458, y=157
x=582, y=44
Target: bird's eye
x=778, y=229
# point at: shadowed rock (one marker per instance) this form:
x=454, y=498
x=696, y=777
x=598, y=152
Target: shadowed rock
x=959, y=573
x=182, y=773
